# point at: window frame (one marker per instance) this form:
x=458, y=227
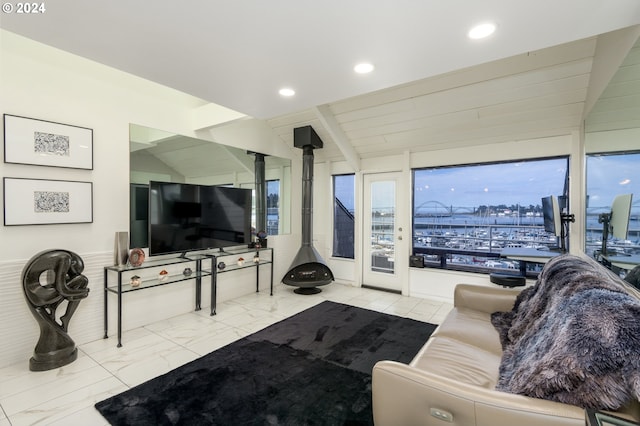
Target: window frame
x=441, y=255
x=333, y=219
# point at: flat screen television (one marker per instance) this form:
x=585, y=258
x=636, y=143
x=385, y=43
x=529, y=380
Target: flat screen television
x=187, y=217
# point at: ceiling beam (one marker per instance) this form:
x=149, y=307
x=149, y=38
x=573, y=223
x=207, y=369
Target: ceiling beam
x=332, y=126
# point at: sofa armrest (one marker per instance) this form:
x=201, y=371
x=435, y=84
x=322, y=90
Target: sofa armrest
x=404, y=395
x=484, y=299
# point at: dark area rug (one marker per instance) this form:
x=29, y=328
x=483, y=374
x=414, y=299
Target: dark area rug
x=313, y=368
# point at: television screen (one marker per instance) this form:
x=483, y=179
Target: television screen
x=226, y=216
x=174, y=217
x=185, y=217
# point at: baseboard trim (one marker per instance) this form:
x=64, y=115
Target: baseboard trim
x=386, y=290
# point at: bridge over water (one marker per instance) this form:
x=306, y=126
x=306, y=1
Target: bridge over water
x=436, y=208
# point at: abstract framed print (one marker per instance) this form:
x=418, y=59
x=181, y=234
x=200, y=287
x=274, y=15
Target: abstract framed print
x=45, y=143
x=47, y=202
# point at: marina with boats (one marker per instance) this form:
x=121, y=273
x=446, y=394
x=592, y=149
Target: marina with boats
x=460, y=237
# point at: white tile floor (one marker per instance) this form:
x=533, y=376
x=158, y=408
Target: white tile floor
x=66, y=396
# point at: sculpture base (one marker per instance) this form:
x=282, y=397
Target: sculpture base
x=51, y=360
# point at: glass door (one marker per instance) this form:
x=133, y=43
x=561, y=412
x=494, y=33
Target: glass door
x=382, y=231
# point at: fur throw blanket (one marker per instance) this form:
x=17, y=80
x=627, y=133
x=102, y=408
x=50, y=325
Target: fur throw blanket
x=574, y=337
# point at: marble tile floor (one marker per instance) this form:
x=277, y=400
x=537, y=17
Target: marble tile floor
x=66, y=396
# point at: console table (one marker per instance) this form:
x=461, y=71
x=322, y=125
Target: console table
x=210, y=261
x=230, y=259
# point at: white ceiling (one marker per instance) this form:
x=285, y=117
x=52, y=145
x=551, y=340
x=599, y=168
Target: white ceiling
x=432, y=86
x=239, y=53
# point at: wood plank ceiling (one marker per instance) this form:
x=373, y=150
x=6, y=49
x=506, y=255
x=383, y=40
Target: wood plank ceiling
x=619, y=105
x=533, y=95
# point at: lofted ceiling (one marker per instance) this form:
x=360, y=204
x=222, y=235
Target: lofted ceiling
x=432, y=88
x=618, y=107
x=537, y=94
x=534, y=95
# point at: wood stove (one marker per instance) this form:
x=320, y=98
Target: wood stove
x=308, y=270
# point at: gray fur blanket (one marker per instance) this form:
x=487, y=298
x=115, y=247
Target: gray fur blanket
x=574, y=337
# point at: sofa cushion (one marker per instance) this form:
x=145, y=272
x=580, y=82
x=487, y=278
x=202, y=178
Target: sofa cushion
x=465, y=347
x=471, y=327
x=459, y=361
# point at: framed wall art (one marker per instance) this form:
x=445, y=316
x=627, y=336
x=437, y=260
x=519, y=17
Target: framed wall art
x=47, y=202
x=45, y=143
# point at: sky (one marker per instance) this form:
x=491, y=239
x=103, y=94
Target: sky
x=611, y=175
x=521, y=183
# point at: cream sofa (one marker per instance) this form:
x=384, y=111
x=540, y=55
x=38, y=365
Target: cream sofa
x=451, y=381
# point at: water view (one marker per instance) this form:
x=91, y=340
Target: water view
x=478, y=238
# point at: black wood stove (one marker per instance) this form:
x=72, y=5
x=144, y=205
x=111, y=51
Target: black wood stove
x=308, y=270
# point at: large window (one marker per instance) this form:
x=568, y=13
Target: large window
x=343, y=215
x=610, y=175
x=464, y=216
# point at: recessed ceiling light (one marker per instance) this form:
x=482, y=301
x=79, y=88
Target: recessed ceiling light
x=482, y=31
x=287, y=92
x=363, y=68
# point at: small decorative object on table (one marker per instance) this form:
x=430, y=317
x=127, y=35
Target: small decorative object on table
x=262, y=240
x=187, y=272
x=135, y=281
x=136, y=257
x=240, y=261
x=222, y=265
x=163, y=275
x=256, y=258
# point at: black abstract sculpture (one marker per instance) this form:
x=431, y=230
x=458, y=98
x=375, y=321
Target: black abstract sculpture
x=50, y=278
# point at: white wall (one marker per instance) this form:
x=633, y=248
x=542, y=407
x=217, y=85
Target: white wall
x=44, y=83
